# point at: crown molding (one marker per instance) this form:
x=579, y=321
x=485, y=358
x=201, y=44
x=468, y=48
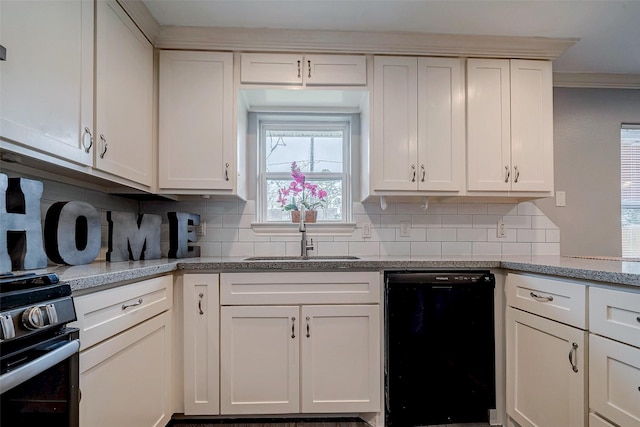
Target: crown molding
x=596, y=80
x=140, y=14
x=380, y=43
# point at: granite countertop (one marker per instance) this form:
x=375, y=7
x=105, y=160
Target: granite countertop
x=102, y=274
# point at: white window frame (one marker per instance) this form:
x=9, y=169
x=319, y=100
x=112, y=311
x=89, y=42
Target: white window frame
x=305, y=121
x=631, y=251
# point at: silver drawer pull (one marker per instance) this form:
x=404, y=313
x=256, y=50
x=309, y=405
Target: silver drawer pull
x=574, y=349
x=125, y=306
x=540, y=298
x=200, y=296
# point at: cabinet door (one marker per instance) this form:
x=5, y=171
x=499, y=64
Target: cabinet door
x=124, y=96
x=271, y=68
x=543, y=389
x=259, y=359
x=340, y=359
x=488, y=125
x=126, y=380
x=440, y=124
x=47, y=80
x=614, y=381
x=195, y=124
x=335, y=70
x=531, y=125
x=395, y=124
x=201, y=344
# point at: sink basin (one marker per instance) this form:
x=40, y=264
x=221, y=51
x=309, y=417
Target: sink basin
x=301, y=258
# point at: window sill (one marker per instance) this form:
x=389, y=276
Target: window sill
x=291, y=229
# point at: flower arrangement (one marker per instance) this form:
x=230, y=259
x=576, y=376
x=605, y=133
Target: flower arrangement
x=301, y=193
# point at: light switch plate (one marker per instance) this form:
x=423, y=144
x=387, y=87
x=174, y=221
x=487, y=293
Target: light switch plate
x=561, y=199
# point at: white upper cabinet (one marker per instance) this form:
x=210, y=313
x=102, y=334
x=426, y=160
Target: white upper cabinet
x=196, y=129
x=299, y=70
x=509, y=125
x=124, y=96
x=47, y=80
x=418, y=124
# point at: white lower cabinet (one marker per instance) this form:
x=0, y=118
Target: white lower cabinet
x=614, y=356
x=300, y=356
x=546, y=360
x=201, y=344
x=126, y=380
x=543, y=388
x=126, y=361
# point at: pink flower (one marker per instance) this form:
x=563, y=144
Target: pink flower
x=322, y=194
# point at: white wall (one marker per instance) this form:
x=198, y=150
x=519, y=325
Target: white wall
x=587, y=167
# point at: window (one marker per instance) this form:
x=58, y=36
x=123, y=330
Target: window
x=320, y=148
x=630, y=189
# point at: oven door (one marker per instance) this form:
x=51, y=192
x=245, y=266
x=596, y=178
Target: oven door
x=39, y=384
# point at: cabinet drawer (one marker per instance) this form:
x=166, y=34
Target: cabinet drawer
x=596, y=421
x=109, y=312
x=299, y=288
x=558, y=299
x=614, y=378
x=615, y=314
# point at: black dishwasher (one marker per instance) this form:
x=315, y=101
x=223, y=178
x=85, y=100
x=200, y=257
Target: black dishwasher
x=439, y=347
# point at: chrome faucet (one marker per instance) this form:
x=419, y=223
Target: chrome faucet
x=304, y=246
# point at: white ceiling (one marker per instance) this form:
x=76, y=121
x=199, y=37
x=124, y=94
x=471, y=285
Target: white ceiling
x=609, y=30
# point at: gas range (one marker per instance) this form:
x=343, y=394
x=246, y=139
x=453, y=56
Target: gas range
x=32, y=304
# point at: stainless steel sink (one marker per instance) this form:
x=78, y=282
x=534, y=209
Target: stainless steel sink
x=301, y=258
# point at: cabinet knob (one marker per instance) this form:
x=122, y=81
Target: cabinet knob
x=200, y=304
x=507, y=173
x=226, y=172
x=299, y=71
x=308, y=320
x=413, y=175
x=424, y=173
x=515, y=179
x=309, y=69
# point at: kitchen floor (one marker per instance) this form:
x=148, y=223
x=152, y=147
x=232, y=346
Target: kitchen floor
x=341, y=422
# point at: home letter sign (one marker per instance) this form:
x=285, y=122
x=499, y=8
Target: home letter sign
x=21, y=245
x=133, y=240
x=72, y=233
x=180, y=236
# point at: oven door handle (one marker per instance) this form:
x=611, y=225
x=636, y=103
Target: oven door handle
x=29, y=370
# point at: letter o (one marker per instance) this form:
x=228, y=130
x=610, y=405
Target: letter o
x=72, y=233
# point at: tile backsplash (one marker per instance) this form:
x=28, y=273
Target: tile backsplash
x=465, y=229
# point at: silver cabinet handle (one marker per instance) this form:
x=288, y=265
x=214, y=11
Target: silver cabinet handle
x=293, y=327
x=309, y=69
x=200, y=304
x=87, y=132
x=125, y=306
x=308, y=319
x=548, y=298
x=517, y=174
x=507, y=174
x=424, y=173
x=413, y=178
x=299, y=71
x=104, y=144
x=574, y=350
x=226, y=171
